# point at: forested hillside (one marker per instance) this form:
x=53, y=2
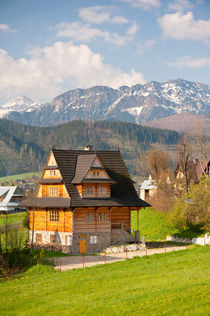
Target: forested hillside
x=25, y=148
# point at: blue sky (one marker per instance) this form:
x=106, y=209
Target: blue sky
x=50, y=46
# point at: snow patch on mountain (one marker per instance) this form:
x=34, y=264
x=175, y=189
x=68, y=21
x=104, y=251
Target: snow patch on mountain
x=19, y=104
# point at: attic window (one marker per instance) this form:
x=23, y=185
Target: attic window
x=52, y=172
x=53, y=191
x=102, y=189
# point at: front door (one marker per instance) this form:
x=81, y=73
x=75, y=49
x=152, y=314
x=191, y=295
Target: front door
x=82, y=244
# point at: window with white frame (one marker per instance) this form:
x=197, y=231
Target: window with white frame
x=54, y=216
x=93, y=240
x=90, y=217
x=102, y=189
x=53, y=191
x=68, y=240
x=102, y=216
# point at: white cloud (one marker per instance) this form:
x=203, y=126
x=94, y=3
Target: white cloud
x=188, y=61
x=144, y=4
x=54, y=69
x=180, y=5
x=133, y=29
x=6, y=29
x=101, y=14
x=146, y=46
x=180, y=26
x=78, y=32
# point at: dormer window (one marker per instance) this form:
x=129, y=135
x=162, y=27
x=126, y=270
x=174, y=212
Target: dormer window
x=102, y=189
x=52, y=172
x=90, y=189
x=96, y=173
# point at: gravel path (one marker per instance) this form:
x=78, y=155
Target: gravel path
x=76, y=262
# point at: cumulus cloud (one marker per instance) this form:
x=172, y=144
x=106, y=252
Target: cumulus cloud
x=180, y=26
x=54, y=69
x=7, y=29
x=188, y=61
x=101, y=14
x=180, y=5
x=143, y=4
x=79, y=31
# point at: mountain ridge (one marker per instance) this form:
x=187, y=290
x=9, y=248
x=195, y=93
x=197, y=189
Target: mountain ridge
x=136, y=104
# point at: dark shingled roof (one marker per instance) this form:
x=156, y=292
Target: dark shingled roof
x=84, y=163
x=52, y=202
x=123, y=192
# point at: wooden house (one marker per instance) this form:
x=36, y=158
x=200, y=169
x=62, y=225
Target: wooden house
x=84, y=202
x=195, y=169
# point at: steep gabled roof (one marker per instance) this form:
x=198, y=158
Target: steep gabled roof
x=123, y=192
x=74, y=165
x=195, y=168
x=84, y=162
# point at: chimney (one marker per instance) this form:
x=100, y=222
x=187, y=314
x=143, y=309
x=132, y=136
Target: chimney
x=88, y=147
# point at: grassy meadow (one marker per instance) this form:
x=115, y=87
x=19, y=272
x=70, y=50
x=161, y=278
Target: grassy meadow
x=174, y=283
x=11, y=218
x=153, y=225
x=23, y=176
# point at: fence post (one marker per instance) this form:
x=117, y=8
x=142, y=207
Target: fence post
x=146, y=248
x=165, y=246
x=83, y=261
x=105, y=257
x=60, y=264
x=186, y=243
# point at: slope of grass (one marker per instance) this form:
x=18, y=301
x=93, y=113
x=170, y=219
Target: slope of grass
x=23, y=176
x=11, y=218
x=153, y=225
x=167, y=284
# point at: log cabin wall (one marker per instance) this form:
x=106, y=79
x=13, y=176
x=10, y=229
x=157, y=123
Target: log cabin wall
x=52, y=174
x=120, y=215
x=44, y=190
x=92, y=220
x=42, y=221
x=96, y=192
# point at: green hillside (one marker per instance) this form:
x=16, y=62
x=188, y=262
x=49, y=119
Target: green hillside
x=25, y=148
x=174, y=283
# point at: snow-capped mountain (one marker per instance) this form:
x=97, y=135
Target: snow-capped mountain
x=137, y=104
x=19, y=104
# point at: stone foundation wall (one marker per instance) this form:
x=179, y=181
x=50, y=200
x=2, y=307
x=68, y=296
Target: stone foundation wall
x=120, y=237
x=60, y=238
x=103, y=241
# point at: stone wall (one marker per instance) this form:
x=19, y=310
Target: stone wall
x=103, y=241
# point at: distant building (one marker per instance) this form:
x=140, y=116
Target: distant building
x=148, y=189
x=10, y=198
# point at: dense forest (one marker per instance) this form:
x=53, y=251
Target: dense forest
x=25, y=148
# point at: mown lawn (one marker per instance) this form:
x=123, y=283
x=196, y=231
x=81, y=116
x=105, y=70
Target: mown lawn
x=166, y=284
x=153, y=225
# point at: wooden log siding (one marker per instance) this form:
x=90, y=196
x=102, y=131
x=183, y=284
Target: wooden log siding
x=48, y=174
x=82, y=225
x=44, y=190
x=96, y=190
x=42, y=221
x=121, y=215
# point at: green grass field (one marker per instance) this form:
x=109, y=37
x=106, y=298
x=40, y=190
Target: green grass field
x=23, y=176
x=11, y=218
x=153, y=225
x=166, y=284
